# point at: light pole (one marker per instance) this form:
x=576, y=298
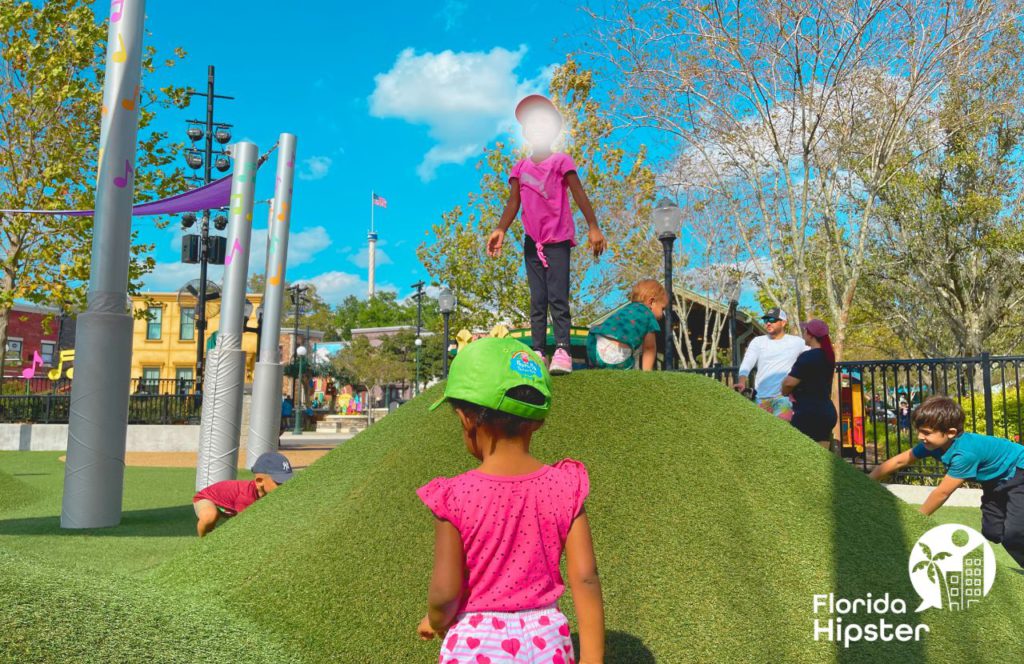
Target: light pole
x=296, y=292
x=419, y=326
x=300, y=352
x=446, y=303
x=197, y=248
x=667, y=219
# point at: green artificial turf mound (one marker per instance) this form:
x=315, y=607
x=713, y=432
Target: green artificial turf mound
x=48, y=615
x=714, y=524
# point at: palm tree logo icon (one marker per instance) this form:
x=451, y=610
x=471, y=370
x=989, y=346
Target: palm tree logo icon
x=958, y=574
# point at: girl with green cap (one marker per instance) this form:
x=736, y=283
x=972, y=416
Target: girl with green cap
x=501, y=529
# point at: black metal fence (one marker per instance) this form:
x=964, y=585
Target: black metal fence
x=142, y=408
x=876, y=400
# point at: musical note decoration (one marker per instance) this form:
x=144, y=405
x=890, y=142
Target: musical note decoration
x=65, y=356
x=283, y=214
x=122, y=182
x=130, y=104
x=236, y=247
x=120, y=55
x=116, y=10
x=276, y=279
x=37, y=361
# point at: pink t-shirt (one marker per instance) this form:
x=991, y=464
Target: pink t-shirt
x=544, y=195
x=513, y=531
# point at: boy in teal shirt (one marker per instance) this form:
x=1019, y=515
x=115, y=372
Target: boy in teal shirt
x=996, y=463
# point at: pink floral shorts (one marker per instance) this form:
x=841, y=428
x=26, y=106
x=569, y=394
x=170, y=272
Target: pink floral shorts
x=538, y=636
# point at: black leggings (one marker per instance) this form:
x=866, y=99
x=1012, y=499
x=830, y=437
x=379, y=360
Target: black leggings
x=549, y=289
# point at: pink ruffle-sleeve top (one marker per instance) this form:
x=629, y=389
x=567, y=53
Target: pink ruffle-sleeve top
x=513, y=531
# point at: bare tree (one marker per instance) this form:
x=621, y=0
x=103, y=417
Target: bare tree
x=794, y=109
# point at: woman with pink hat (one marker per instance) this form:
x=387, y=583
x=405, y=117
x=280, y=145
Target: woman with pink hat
x=810, y=384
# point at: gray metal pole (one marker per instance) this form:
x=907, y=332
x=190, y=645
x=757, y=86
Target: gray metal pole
x=98, y=421
x=265, y=418
x=222, y=393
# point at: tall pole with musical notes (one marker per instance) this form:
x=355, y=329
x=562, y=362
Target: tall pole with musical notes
x=98, y=421
x=265, y=414
x=221, y=425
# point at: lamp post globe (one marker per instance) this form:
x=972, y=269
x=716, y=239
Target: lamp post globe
x=446, y=303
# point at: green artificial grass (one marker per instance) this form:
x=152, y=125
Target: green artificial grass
x=50, y=615
x=82, y=596
x=714, y=525
x=157, y=519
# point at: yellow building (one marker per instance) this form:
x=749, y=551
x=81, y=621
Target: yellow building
x=164, y=342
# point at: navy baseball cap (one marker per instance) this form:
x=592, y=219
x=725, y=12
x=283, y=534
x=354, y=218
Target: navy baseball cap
x=273, y=464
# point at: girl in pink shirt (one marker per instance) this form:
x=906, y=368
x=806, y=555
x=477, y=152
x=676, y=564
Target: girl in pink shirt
x=540, y=185
x=500, y=529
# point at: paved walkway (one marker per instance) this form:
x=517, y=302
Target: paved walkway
x=916, y=495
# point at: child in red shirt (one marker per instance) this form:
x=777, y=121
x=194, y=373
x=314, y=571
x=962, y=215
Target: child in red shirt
x=228, y=498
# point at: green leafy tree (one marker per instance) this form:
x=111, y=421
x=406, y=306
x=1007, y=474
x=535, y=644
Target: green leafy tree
x=52, y=59
x=946, y=271
x=619, y=185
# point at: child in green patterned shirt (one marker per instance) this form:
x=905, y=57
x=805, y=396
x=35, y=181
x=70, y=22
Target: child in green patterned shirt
x=614, y=342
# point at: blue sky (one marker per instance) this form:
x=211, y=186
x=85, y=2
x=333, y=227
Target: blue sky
x=395, y=97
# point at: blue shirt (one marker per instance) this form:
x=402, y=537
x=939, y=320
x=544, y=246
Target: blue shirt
x=973, y=456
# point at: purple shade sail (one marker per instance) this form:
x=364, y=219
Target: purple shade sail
x=207, y=197
x=211, y=196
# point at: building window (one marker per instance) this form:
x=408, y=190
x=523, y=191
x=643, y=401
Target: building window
x=183, y=380
x=13, y=351
x=187, y=328
x=150, y=382
x=48, y=349
x=155, y=318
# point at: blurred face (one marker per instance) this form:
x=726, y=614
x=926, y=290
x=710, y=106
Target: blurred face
x=264, y=484
x=935, y=439
x=657, y=306
x=541, y=128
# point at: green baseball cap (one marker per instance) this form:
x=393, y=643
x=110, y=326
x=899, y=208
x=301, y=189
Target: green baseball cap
x=487, y=368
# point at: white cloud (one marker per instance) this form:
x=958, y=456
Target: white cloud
x=362, y=258
x=317, y=168
x=302, y=247
x=465, y=99
x=335, y=286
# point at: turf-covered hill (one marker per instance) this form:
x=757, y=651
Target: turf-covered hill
x=714, y=524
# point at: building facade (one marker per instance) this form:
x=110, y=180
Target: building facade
x=164, y=340
x=35, y=335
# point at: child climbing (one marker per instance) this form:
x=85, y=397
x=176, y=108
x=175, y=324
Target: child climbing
x=614, y=342
x=501, y=528
x=540, y=184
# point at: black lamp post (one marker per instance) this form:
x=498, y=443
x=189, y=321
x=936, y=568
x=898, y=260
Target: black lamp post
x=446, y=303
x=667, y=219
x=197, y=249
x=300, y=353
x=419, y=326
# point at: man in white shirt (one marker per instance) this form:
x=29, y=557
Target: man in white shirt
x=773, y=355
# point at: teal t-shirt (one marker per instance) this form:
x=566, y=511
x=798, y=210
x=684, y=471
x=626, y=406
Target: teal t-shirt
x=973, y=456
x=629, y=325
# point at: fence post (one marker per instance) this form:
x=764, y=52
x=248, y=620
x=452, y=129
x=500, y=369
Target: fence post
x=986, y=380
